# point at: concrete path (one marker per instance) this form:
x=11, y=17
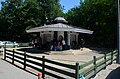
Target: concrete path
x=8, y=71
x=111, y=72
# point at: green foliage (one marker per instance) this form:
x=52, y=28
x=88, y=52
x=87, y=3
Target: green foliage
x=18, y=15
x=99, y=16
x=51, y=9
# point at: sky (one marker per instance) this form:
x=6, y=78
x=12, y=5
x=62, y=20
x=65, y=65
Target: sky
x=68, y=4
x=0, y=3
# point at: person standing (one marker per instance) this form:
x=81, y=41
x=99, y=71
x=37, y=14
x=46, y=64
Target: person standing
x=59, y=44
x=36, y=42
x=63, y=44
x=82, y=42
x=33, y=43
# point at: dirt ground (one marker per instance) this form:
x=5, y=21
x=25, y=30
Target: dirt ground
x=68, y=56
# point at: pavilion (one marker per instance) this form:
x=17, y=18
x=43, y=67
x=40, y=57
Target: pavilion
x=60, y=28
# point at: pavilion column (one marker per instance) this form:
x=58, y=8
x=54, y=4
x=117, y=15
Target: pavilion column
x=68, y=39
x=41, y=35
x=52, y=35
x=77, y=38
x=55, y=34
x=41, y=38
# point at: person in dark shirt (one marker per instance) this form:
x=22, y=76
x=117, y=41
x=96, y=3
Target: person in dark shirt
x=82, y=42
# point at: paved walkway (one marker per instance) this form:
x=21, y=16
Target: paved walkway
x=8, y=71
x=111, y=72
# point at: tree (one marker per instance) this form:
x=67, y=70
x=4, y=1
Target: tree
x=99, y=16
x=19, y=15
x=50, y=10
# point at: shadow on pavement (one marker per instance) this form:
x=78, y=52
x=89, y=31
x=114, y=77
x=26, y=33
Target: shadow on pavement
x=115, y=74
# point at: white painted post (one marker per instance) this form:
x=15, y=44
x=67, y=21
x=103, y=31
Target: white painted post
x=3, y=52
x=52, y=35
x=68, y=38
x=40, y=34
x=41, y=37
x=77, y=37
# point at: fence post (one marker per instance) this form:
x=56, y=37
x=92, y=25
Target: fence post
x=4, y=53
x=13, y=56
x=105, y=60
x=111, y=57
x=24, y=60
x=77, y=71
x=95, y=66
x=43, y=67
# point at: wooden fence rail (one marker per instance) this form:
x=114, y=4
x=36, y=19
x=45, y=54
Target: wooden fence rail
x=91, y=68
x=41, y=64
x=57, y=69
